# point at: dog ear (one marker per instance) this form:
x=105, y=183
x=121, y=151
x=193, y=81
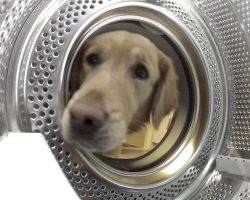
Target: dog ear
x=77, y=74
x=165, y=97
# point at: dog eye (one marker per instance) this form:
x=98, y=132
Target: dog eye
x=93, y=59
x=141, y=71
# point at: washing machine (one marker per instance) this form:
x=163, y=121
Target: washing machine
x=205, y=154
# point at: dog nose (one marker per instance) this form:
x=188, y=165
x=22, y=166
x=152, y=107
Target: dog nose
x=87, y=116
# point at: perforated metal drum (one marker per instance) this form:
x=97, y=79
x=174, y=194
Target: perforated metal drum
x=211, y=43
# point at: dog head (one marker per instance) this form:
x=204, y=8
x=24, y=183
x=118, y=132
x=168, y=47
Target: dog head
x=120, y=79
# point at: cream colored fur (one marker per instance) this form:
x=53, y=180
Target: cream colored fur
x=127, y=101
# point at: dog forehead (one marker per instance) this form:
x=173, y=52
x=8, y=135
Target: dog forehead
x=122, y=38
x=126, y=43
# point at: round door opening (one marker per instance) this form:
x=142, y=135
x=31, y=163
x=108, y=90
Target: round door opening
x=145, y=144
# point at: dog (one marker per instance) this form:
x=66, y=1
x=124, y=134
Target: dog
x=119, y=81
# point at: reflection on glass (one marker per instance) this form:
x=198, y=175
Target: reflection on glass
x=142, y=141
x=180, y=161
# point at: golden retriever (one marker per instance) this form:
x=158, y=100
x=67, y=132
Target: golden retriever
x=121, y=80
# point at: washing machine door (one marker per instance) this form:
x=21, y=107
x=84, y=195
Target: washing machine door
x=205, y=153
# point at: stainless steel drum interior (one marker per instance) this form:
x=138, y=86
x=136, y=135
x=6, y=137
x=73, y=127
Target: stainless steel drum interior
x=210, y=42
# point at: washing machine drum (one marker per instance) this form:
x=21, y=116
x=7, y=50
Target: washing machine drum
x=204, y=154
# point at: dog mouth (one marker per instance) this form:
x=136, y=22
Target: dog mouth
x=98, y=138
x=97, y=145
